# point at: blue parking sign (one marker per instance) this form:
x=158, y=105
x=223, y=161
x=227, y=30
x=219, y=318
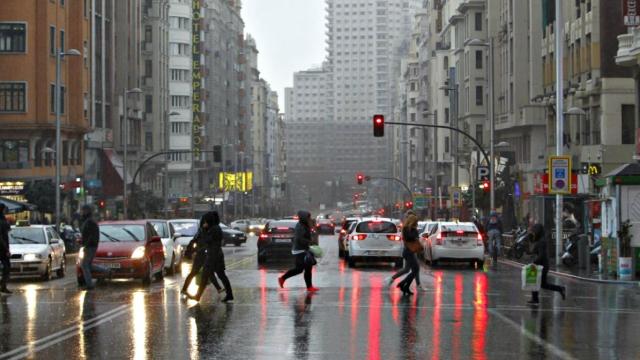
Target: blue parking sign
x=560, y=173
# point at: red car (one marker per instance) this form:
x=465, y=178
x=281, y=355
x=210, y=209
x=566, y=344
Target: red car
x=132, y=249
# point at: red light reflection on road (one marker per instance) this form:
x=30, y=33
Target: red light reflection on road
x=375, y=303
x=480, y=318
x=395, y=298
x=457, y=315
x=435, y=319
x=355, y=308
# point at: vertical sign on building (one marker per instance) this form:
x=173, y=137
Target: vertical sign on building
x=630, y=12
x=196, y=82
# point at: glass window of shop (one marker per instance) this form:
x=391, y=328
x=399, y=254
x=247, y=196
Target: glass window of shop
x=14, y=151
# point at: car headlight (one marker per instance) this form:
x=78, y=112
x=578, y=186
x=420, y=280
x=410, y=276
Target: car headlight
x=31, y=257
x=138, y=253
x=81, y=253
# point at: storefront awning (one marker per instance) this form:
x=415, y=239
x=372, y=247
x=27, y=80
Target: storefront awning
x=116, y=163
x=15, y=206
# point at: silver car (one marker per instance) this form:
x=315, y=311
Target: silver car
x=182, y=232
x=173, y=250
x=36, y=250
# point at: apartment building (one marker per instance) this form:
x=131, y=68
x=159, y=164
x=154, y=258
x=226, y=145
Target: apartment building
x=32, y=33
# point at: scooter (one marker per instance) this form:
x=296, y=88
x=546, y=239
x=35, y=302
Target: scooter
x=570, y=256
x=522, y=244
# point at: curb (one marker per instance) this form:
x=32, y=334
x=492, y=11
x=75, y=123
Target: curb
x=574, y=277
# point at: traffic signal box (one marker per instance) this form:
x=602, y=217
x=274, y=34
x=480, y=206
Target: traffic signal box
x=378, y=125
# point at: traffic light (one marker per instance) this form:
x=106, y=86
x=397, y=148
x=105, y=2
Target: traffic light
x=408, y=205
x=359, y=179
x=378, y=125
x=485, y=186
x=101, y=203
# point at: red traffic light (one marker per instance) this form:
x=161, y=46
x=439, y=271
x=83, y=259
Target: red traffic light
x=408, y=205
x=485, y=186
x=359, y=179
x=101, y=204
x=378, y=125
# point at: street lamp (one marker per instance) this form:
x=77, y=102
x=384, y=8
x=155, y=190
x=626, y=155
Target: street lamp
x=166, y=164
x=125, y=122
x=57, y=98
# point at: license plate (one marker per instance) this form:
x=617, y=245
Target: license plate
x=282, y=241
x=376, y=253
x=282, y=236
x=111, y=265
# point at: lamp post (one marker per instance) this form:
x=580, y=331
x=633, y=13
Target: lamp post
x=165, y=189
x=58, y=99
x=125, y=123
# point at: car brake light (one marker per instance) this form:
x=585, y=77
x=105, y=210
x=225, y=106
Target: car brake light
x=480, y=242
x=263, y=236
x=439, y=239
x=282, y=228
x=393, y=237
x=359, y=237
x=460, y=232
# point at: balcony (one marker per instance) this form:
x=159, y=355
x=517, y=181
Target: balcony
x=628, y=48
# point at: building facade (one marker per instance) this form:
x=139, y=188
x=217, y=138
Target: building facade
x=32, y=33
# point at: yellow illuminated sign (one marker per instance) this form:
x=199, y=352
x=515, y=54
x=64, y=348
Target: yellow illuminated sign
x=242, y=181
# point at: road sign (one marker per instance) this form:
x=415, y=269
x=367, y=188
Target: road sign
x=420, y=201
x=455, y=196
x=428, y=191
x=559, y=175
x=483, y=173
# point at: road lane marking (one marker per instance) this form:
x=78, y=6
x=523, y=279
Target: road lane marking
x=64, y=334
x=533, y=337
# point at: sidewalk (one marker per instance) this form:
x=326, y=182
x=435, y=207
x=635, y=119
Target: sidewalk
x=573, y=273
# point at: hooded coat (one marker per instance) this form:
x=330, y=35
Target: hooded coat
x=302, y=233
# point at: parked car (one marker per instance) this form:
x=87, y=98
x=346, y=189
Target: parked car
x=36, y=250
x=172, y=250
x=182, y=231
x=375, y=238
x=132, y=249
x=241, y=225
x=342, y=235
x=326, y=226
x=276, y=239
x=458, y=241
x=232, y=236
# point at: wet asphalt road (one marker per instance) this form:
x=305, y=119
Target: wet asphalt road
x=465, y=314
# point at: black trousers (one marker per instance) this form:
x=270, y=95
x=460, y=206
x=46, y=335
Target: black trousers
x=411, y=261
x=545, y=285
x=198, y=262
x=300, y=267
x=6, y=270
x=214, y=266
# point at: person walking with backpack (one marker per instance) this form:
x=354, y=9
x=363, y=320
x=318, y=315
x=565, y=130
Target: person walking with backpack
x=407, y=264
x=214, y=264
x=300, y=250
x=5, y=253
x=542, y=259
x=411, y=248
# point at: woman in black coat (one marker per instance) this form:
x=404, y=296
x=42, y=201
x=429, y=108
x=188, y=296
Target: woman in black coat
x=542, y=259
x=198, y=248
x=214, y=265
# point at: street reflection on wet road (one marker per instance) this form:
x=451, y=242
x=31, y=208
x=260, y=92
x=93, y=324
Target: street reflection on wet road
x=464, y=314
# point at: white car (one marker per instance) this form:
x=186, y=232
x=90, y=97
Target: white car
x=36, y=250
x=182, y=231
x=375, y=238
x=459, y=241
x=241, y=225
x=172, y=250
x=425, y=228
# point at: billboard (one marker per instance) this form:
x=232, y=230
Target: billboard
x=241, y=181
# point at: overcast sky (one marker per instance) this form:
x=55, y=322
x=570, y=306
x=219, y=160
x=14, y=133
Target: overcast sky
x=290, y=37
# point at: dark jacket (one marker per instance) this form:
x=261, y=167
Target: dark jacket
x=212, y=239
x=302, y=233
x=90, y=232
x=540, y=247
x=410, y=234
x=197, y=244
x=493, y=226
x=4, y=235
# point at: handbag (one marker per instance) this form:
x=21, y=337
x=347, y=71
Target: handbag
x=309, y=259
x=198, y=278
x=413, y=246
x=531, y=277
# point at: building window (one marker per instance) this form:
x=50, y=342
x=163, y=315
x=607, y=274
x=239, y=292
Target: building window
x=148, y=68
x=148, y=34
x=446, y=144
x=148, y=104
x=52, y=40
x=13, y=37
x=478, y=21
x=628, y=125
x=479, y=95
x=148, y=141
x=14, y=151
x=52, y=91
x=446, y=115
x=479, y=131
x=13, y=97
x=595, y=126
x=62, y=40
x=478, y=59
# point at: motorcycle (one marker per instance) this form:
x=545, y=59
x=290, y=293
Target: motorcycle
x=570, y=256
x=522, y=244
